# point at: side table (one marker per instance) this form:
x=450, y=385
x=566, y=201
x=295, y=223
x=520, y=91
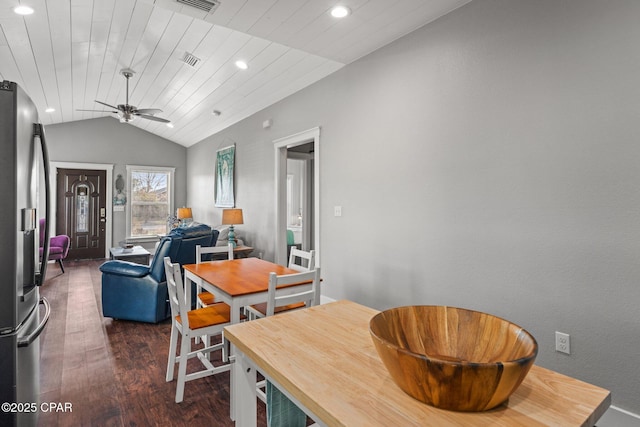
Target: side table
x=137, y=254
x=238, y=252
x=242, y=251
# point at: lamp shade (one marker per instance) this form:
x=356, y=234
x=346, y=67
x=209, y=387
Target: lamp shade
x=184, y=213
x=232, y=216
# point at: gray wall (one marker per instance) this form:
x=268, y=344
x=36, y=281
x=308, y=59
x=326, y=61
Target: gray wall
x=488, y=160
x=106, y=140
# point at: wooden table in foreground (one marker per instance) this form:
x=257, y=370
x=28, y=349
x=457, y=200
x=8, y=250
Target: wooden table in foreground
x=323, y=359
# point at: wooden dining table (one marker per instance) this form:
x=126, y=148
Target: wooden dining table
x=324, y=360
x=238, y=282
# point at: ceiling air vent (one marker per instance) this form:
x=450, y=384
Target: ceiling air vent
x=190, y=60
x=206, y=5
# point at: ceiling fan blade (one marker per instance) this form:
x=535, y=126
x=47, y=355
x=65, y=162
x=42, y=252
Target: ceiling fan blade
x=150, y=111
x=103, y=103
x=154, y=118
x=99, y=111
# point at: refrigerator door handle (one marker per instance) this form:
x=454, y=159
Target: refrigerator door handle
x=38, y=130
x=24, y=342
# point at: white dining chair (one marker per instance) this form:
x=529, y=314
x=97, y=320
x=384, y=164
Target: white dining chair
x=280, y=295
x=206, y=321
x=307, y=261
x=205, y=298
x=304, y=290
x=287, y=289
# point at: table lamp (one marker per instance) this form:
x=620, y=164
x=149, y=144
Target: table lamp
x=184, y=215
x=231, y=217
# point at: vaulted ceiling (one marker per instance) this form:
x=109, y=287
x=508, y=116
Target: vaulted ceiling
x=69, y=53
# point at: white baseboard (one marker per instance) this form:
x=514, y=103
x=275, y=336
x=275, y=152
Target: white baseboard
x=325, y=299
x=618, y=417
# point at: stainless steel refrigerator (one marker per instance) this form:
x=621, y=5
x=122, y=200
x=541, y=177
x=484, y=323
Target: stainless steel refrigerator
x=24, y=176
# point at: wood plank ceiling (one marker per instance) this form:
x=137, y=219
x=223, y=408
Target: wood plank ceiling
x=69, y=53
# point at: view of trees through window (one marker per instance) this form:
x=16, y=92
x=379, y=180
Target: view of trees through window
x=150, y=202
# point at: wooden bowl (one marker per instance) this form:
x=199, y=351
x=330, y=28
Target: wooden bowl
x=453, y=358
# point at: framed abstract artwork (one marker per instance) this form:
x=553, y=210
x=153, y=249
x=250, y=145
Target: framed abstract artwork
x=225, y=159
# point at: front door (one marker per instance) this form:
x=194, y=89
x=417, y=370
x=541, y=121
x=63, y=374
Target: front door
x=81, y=211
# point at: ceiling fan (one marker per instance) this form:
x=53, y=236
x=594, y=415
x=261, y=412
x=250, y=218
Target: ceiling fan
x=128, y=112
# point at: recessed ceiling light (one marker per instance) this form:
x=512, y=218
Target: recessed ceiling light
x=242, y=65
x=50, y=110
x=23, y=10
x=216, y=113
x=340, y=11
x=170, y=125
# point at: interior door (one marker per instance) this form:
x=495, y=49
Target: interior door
x=300, y=198
x=81, y=211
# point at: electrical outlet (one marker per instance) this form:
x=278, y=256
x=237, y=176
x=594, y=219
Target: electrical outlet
x=337, y=211
x=563, y=343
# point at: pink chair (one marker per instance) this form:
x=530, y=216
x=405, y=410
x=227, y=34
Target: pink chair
x=58, y=246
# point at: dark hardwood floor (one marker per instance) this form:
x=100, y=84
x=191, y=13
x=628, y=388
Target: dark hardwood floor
x=113, y=372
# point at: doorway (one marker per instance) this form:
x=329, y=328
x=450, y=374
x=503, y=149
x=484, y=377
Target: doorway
x=301, y=149
x=81, y=211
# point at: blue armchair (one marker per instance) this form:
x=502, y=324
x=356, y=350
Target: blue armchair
x=139, y=292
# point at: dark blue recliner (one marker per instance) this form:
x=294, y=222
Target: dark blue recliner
x=139, y=292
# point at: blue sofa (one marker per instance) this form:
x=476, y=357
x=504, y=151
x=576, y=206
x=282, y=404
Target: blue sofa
x=139, y=292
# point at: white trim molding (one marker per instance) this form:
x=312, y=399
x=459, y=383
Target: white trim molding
x=172, y=172
x=618, y=417
x=280, y=147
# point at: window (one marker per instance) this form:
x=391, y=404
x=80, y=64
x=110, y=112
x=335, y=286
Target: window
x=150, y=200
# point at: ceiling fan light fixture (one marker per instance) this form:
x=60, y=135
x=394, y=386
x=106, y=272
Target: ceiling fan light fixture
x=126, y=117
x=126, y=112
